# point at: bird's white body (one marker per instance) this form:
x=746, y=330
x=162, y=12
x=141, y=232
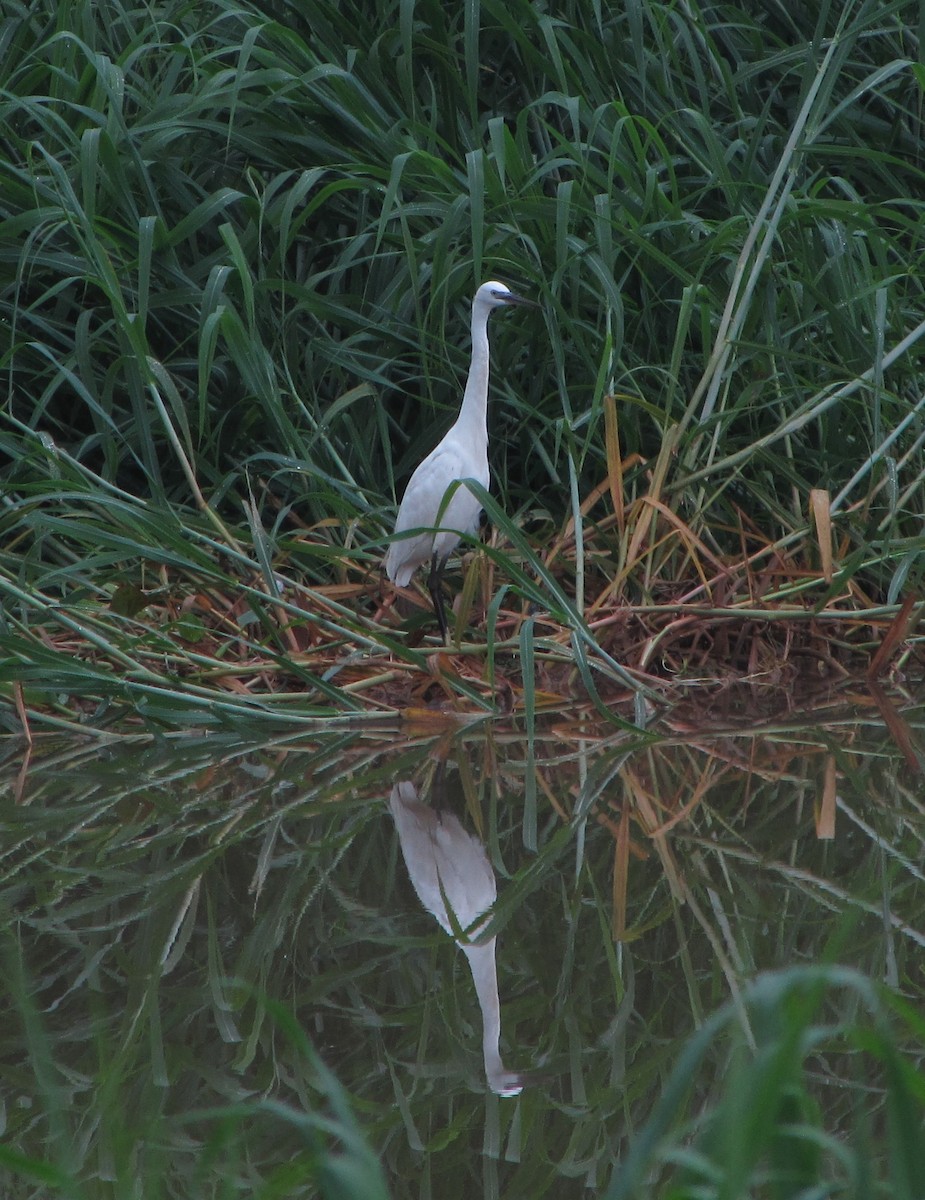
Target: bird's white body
x=462, y=454
x=451, y=460
x=450, y=869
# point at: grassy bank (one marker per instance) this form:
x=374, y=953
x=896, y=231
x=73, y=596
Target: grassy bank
x=237, y=246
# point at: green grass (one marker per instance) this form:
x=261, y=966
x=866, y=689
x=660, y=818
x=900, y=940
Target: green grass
x=237, y=245
x=767, y=1133
x=217, y=977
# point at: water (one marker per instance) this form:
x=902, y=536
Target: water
x=190, y=920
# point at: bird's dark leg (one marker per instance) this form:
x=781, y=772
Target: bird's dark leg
x=436, y=594
x=438, y=788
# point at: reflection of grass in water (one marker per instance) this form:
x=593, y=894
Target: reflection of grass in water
x=762, y=1130
x=767, y=1132
x=143, y=885
x=123, y=1133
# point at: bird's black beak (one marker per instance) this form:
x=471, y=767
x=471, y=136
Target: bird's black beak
x=513, y=298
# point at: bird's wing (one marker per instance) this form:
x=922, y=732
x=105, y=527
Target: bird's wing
x=466, y=877
x=446, y=864
x=426, y=488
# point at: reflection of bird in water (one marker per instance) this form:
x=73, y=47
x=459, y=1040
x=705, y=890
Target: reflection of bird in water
x=450, y=869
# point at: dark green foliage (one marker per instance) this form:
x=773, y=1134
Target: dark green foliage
x=236, y=234
x=218, y=980
x=238, y=242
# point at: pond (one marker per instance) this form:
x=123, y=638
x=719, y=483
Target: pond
x=224, y=960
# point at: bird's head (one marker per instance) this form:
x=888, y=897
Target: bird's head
x=493, y=294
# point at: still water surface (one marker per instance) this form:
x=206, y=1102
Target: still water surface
x=172, y=902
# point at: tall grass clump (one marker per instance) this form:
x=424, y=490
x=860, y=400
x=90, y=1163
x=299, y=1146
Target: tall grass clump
x=237, y=244
x=772, y=1128
x=119, y=1136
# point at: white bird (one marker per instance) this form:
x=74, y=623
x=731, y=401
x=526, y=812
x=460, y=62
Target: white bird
x=449, y=868
x=462, y=454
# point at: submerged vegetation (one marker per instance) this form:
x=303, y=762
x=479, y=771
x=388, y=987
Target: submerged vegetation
x=218, y=979
x=238, y=242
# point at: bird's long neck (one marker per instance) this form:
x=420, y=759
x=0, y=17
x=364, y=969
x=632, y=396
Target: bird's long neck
x=473, y=413
x=485, y=977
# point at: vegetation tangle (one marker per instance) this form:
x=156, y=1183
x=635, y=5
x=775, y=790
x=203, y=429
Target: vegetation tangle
x=238, y=247
x=239, y=241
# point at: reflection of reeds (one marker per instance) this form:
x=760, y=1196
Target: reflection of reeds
x=158, y=887
x=768, y=1124
x=727, y=813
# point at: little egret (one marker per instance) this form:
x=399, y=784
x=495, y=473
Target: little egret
x=462, y=454
x=449, y=869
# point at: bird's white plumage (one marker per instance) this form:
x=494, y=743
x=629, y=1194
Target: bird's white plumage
x=449, y=869
x=421, y=506
x=462, y=454
x=447, y=865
